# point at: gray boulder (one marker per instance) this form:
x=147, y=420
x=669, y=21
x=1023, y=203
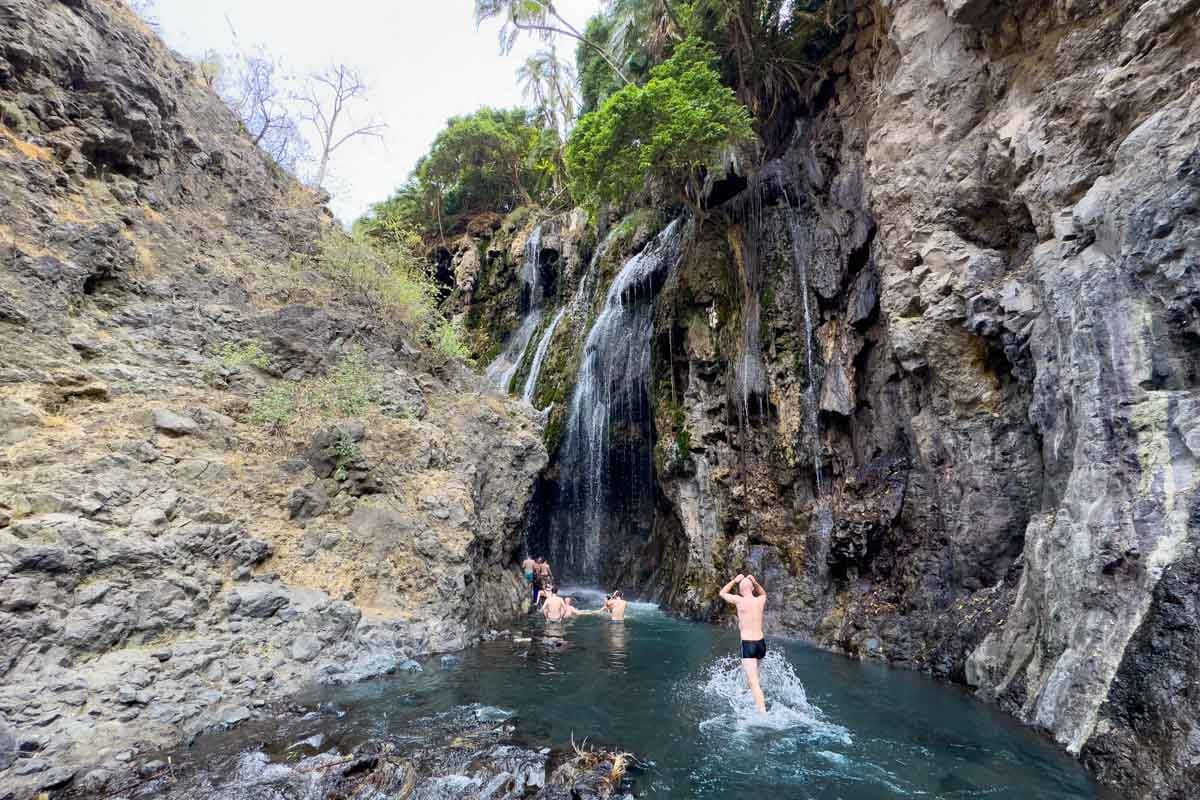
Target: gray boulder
x=257, y=601
x=173, y=424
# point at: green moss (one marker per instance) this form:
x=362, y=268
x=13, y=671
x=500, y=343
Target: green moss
x=517, y=218
x=348, y=390
x=243, y=354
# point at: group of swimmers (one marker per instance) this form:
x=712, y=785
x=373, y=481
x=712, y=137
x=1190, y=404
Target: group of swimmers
x=750, y=600
x=555, y=607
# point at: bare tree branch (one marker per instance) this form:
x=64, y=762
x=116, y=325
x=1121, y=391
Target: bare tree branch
x=327, y=96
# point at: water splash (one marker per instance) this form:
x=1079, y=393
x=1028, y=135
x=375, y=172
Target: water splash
x=539, y=356
x=606, y=458
x=800, y=262
x=787, y=703
x=501, y=371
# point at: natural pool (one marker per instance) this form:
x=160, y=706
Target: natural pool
x=669, y=691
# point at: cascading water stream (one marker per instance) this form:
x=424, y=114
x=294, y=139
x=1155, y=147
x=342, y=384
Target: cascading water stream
x=539, y=357
x=800, y=262
x=501, y=371
x=606, y=457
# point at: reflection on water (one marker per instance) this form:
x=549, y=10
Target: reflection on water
x=616, y=645
x=673, y=693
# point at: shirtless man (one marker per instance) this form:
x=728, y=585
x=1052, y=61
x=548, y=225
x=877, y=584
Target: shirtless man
x=543, y=571
x=554, y=607
x=615, y=605
x=750, y=601
x=528, y=566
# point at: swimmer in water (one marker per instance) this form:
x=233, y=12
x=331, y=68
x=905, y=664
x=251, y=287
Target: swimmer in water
x=554, y=607
x=750, y=601
x=570, y=610
x=615, y=605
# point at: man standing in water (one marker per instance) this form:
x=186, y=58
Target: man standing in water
x=615, y=605
x=554, y=609
x=749, y=602
x=543, y=571
x=529, y=569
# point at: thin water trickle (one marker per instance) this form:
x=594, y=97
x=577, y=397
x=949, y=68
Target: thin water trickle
x=501, y=371
x=800, y=263
x=672, y=693
x=539, y=356
x=606, y=458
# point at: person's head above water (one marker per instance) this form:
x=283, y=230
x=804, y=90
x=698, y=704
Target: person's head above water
x=746, y=586
x=616, y=594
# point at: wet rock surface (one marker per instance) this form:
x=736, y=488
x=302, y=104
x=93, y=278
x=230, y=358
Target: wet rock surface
x=996, y=483
x=470, y=752
x=169, y=563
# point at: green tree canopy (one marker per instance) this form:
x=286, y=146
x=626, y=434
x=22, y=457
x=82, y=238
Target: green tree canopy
x=491, y=160
x=671, y=129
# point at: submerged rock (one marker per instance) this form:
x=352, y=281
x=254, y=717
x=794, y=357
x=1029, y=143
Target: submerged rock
x=458, y=754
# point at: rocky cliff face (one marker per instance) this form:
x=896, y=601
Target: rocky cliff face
x=933, y=372
x=223, y=473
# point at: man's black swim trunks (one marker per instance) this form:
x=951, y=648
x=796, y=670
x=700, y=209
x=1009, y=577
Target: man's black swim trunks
x=754, y=649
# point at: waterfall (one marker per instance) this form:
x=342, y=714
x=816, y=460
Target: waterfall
x=539, y=356
x=800, y=262
x=500, y=372
x=607, y=454
x=751, y=385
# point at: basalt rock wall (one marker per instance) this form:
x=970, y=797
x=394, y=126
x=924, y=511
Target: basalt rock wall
x=987, y=467
x=224, y=472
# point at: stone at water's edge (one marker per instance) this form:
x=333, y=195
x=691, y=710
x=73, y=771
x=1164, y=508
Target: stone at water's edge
x=469, y=752
x=168, y=565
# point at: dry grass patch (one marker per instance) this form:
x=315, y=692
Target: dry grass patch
x=28, y=149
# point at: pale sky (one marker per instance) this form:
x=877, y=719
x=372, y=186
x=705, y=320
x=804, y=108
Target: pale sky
x=424, y=61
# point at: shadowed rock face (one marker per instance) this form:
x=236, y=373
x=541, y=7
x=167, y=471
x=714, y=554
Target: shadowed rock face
x=167, y=563
x=1006, y=372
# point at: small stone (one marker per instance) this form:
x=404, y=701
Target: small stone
x=305, y=648
x=173, y=424
x=408, y=665
x=55, y=777
x=151, y=517
x=257, y=601
x=31, y=766
x=87, y=346
x=236, y=715
x=307, y=502
x=18, y=594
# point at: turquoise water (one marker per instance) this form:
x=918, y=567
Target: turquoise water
x=670, y=692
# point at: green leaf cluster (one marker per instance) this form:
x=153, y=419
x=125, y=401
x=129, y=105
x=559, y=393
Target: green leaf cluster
x=671, y=129
x=490, y=161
